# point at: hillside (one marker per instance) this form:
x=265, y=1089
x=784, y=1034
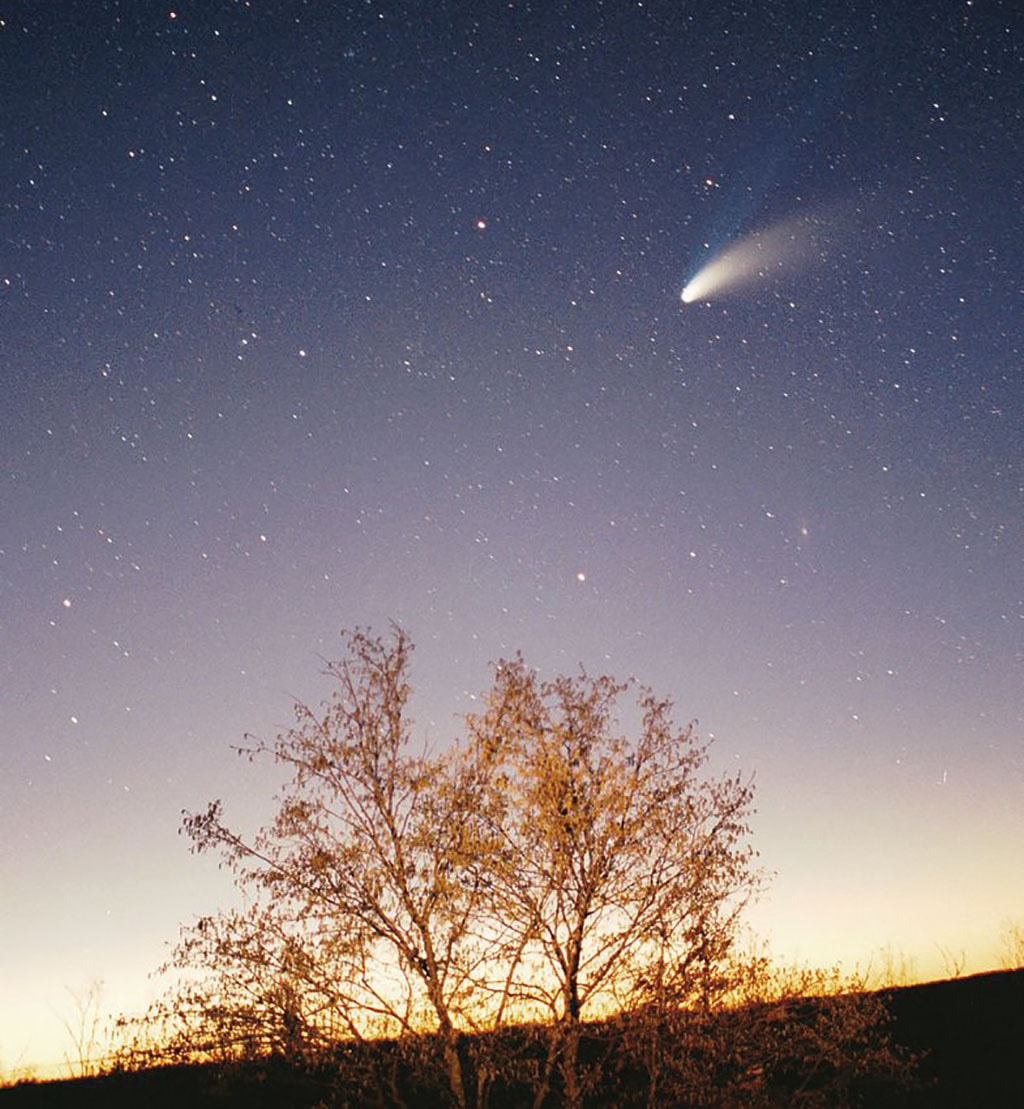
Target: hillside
x=972, y=1030
x=968, y=1032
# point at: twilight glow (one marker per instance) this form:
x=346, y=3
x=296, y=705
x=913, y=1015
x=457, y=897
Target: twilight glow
x=315, y=316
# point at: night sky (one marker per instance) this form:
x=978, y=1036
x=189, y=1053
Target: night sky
x=316, y=315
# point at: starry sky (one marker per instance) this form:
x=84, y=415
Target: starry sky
x=316, y=315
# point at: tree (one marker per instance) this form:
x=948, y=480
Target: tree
x=550, y=903
x=619, y=864
x=1013, y=944
x=83, y=1029
x=772, y=1036
x=361, y=915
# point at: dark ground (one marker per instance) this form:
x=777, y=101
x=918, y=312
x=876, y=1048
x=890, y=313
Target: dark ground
x=972, y=1033
x=969, y=1031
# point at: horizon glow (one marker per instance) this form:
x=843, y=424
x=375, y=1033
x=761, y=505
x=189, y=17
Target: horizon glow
x=338, y=346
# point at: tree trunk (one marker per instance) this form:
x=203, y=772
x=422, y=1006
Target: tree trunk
x=544, y=1085
x=570, y=1066
x=453, y=1064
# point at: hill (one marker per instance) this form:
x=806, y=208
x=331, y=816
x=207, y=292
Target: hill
x=970, y=1031
x=967, y=1031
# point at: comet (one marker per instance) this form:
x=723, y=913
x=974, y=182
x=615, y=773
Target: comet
x=779, y=249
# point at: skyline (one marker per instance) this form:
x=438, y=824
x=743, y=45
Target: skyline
x=314, y=317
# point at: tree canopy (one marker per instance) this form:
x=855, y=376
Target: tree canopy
x=569, y=862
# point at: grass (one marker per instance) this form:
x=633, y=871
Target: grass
x=965, y=1031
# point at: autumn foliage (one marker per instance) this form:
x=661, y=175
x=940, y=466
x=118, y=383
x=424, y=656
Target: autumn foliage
x=546, y=912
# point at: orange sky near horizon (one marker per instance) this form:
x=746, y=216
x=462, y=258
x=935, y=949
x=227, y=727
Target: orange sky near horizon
x=319, y=316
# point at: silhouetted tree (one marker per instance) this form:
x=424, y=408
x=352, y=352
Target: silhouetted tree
x=83, y=1029
x=771, y=1037
x=571, y=861
x=364, y=912
x=1013, y=944
x=618, y=859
